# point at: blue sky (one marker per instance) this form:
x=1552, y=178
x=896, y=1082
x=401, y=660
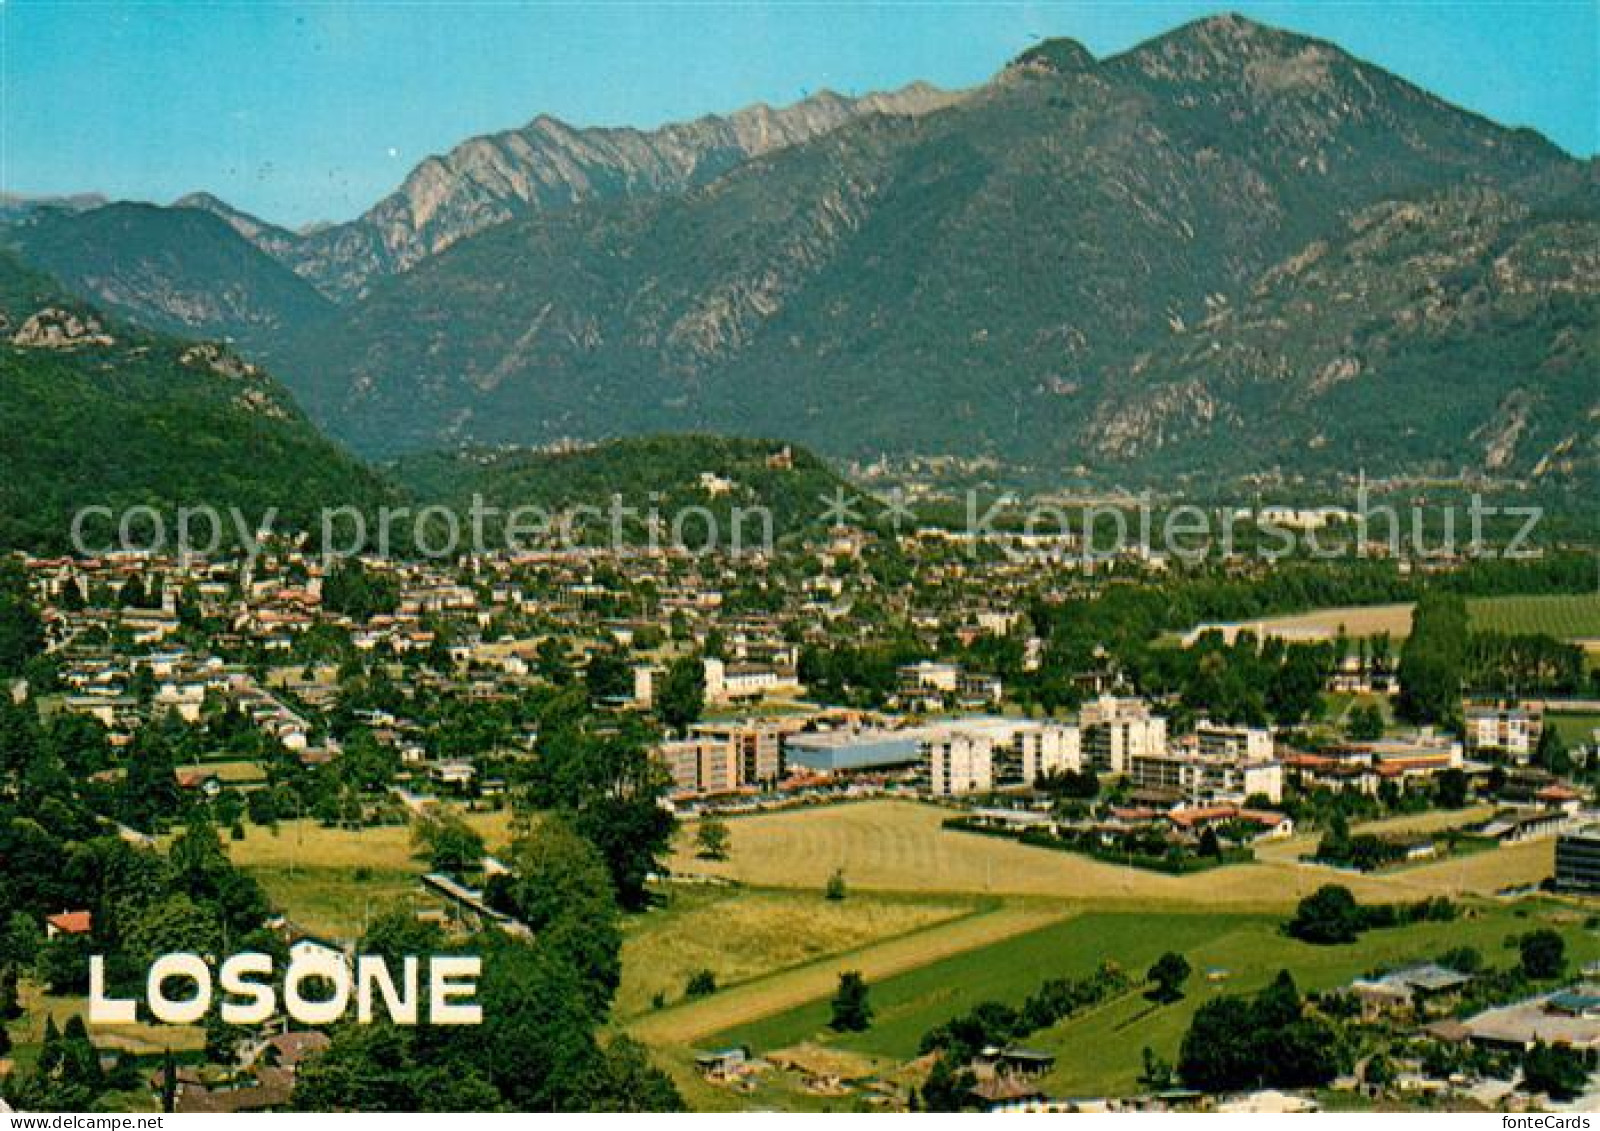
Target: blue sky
x=302, y=112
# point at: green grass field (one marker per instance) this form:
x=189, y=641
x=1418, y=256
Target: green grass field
x=1574, y=728
x=337, y=902
x=1565, y=617
x=1100, y=1051
x=333, y=881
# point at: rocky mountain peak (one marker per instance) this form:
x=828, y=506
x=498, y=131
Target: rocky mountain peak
x=1053, y=57
x=550, y=164
x=1228, y=47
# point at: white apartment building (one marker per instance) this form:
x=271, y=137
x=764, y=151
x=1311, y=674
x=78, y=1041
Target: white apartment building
x=1509, y=730
x=1048, y=748
x=1116, y=731
x=1233, y=743
x=929, y=677
x=1219, y=763
x=958, y=761
x=1022, y=750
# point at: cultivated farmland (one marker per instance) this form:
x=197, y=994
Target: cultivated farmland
x=1564, y=617
x=1100, y=1050
x=739, y=934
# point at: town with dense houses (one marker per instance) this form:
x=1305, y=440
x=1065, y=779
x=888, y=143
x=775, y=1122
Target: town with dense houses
x=915, y=558
x=271, y=703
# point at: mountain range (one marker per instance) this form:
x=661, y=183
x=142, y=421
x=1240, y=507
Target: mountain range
x=1231, y=251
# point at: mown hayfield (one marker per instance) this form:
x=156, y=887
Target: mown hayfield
x=1567, y=617
x=1321, y=624
x=1564, y=616
x=1100, y=1051
x=739, y=934
x=901, y=846
x=694, y=1021
x=302, y=843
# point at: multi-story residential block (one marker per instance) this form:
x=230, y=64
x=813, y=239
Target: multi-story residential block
x=1116, y=731
x=1198, y=776
x=929, y=677
x=755, y=748
x=699, y=766
x=646, y=678
x=1233, y=743
x=1048, y=748
x=958, y=761
x=1511, y=731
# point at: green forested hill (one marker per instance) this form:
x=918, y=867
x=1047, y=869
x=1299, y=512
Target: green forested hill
x=97, y=412
x=665, y=472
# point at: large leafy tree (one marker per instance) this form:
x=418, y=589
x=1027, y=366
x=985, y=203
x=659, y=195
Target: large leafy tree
x=600, y=773
x=1328, y=915
x=560, y=887
x=1238, y=1042
x=850, y=1011
x=682, y=697
x=21, y=630
x=1168, y=974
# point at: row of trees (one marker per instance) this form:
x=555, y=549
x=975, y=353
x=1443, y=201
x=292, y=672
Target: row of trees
x=1330, y=915
x=1443, y=656
x=546, y=999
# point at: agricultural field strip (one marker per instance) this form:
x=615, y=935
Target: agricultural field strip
x=775, y=993
x=1565, y=616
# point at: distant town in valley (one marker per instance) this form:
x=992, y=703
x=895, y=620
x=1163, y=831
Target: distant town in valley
x=839, y=708
x=1031, y=808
